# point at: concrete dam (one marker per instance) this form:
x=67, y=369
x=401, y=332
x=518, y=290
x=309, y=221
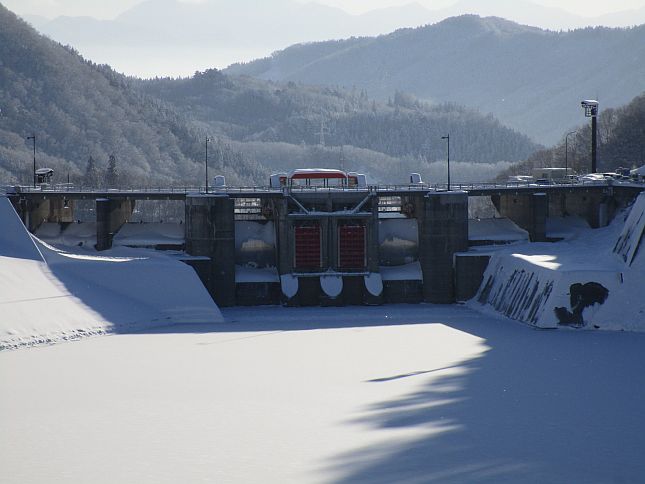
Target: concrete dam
x=313, y=245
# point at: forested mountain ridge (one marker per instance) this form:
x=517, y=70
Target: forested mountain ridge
x=156, y=129
x=621, y=143
x=79, y=110
x=529, y=78
x=247, y=109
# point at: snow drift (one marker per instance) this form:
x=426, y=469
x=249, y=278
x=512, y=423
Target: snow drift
x=149, y=234
x=74, y=234
x=594, y=279
x=49, y=295
x=495, y=230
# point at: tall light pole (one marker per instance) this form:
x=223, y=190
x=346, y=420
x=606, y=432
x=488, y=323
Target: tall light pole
x=566, y=152
x=33, y=138
x=447, y=137
x=207, y=140
x=591, y=111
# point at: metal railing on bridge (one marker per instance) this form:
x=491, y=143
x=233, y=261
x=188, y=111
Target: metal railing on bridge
x=188, y=190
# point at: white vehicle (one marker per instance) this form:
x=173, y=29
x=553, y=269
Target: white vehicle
x=219, y=181
x=520, y=179
x=549, y=174
x=415, y=179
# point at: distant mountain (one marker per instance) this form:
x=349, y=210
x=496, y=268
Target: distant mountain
x=250, y=110
x=531, y=79
x=174, y=37
x=78, y=109
x=156, y=36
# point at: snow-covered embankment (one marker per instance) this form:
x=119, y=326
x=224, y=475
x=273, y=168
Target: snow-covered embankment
x=49, y=295
x=595, y=279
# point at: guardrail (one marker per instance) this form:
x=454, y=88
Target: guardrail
x=62, y=189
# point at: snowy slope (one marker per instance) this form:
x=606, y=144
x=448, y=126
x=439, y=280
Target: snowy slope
x=496, y=229
x=74, y=234
x=149, y=234
x=577, y=282
x=50, y=295
x=631, y=236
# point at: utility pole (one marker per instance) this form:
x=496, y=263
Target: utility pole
x=447, y=137
x=591, y=111
x=33, y=137
x=566, y=153
x=207, y=140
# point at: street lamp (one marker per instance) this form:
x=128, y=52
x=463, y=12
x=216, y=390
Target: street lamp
x=447, y=137
x=566, y=153
x=33, y=137
x=591, y=111
x=207, y=140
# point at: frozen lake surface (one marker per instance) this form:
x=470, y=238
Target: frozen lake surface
x=405, y=394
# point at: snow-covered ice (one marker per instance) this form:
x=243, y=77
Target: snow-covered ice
x=389, y=394
x=406, y=272
x=253, y=274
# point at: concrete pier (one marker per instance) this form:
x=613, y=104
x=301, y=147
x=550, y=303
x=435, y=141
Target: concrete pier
x=35, y=212
x=210, y=232
x=110, y=216
x=528, y=211
x=443, y=231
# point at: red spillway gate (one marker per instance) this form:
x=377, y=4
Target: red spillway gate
x=307, y=244
x=351, y=247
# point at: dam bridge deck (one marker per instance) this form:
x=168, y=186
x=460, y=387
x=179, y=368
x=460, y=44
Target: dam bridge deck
x=180, y=193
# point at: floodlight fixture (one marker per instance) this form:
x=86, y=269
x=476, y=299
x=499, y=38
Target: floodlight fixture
x=591, y=107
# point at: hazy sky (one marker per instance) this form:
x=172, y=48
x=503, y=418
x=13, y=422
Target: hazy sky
x=109, y=9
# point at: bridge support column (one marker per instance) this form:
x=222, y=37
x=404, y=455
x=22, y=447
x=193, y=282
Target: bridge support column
x=110, y=216
x=210, y=232
x=33, y=212
x=37, y=212
x=284, y=241
x=443, y=230
x=372, y=238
